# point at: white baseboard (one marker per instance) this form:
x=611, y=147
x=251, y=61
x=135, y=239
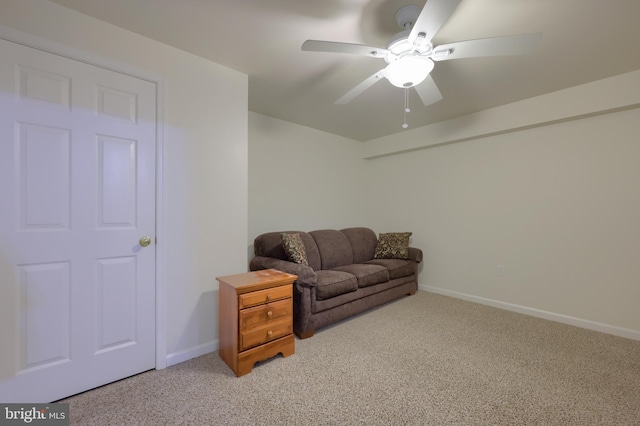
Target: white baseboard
x=187, y=354
x=565, y=319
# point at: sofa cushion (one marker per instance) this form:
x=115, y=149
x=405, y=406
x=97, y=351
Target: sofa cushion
x=343, y=301
x=270, y=245
x=334, y=248
x=294, y=248
x=366, y=274
x=363, y=243
x=334, y=283
x=393, y=245
x=397, y=267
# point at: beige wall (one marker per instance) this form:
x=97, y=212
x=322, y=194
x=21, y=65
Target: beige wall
x=557, y=206
x=302, y=179
x=204, y=204
x=533, y=206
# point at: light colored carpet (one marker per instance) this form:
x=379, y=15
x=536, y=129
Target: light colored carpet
x=422, y=360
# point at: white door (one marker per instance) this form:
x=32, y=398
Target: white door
x=77, y=192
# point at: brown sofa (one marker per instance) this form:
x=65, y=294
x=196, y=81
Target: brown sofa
x=342, y=279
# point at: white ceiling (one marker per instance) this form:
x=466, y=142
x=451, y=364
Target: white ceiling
x=582, y=41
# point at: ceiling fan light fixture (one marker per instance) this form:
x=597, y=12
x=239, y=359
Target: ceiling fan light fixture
x=408, y=71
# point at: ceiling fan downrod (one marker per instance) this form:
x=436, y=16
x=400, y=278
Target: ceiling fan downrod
x=406, y=107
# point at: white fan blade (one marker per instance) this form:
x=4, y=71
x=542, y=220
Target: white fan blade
x=351, y=94
x=494, y=46
x=338, y=47
x=428, y=91
x=434, y=14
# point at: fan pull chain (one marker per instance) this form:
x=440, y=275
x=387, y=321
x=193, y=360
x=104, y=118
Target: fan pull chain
x=406, y=107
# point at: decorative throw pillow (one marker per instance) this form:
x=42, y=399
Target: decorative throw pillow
x=294, y=248
x=393, y=245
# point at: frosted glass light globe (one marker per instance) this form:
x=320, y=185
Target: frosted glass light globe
x=408, y=71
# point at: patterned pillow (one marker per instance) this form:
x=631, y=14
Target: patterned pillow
x=294, y=248
x=393, y=245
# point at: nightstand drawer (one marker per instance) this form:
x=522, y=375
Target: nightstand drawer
x=264, y=314
x=265, y=333
x=261, y=297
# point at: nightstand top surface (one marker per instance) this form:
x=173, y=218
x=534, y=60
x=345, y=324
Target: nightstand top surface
x=257, y=280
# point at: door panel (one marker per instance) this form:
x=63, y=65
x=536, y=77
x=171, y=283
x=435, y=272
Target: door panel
x=45, y=304
x=77, y=187
x=116, y=185
x=116, y=302
x=43, y=176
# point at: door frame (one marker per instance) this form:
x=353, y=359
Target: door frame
x=30, y=40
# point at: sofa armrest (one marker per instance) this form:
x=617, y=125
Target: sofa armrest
x=415, y=254
x=306, y=275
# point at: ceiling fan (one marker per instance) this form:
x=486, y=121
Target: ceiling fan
x=410, y=55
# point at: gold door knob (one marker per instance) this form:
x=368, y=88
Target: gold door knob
x=145, y=241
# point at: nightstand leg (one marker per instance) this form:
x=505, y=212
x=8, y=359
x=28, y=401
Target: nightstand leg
x=247, y=359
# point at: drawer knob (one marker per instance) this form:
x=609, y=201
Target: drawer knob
x=268, y=297
x=269, y=314
x=269, y=333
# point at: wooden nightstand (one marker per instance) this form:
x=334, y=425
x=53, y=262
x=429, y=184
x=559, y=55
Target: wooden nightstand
x=255, y=318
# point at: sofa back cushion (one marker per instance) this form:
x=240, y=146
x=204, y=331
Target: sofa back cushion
x=363, y=243
x=270, y=245
x=334, y=247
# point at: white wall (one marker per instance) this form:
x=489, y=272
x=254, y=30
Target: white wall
x=302, y=179
x=204, y=204
x=541, y=219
